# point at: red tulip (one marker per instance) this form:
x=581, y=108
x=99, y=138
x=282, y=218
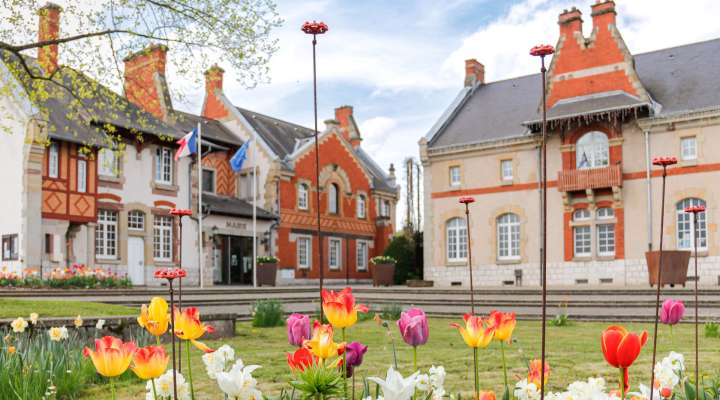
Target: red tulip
x=621, y=348
x=301, y=359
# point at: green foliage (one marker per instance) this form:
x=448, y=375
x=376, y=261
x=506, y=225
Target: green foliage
x=561, y=318
x=402, y=249
x=318, y=382
x=383, y=260
x=268, y=313
x=712, y=329
x=391, y=312
x=267, y=260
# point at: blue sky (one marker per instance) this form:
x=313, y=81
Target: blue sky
x=400, y=63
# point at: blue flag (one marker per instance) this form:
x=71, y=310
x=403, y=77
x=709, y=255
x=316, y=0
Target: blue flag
x=236, y=162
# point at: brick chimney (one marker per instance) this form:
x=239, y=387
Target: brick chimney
x=603, y=13
x=213, y=106
x=348, y=127
x=474, y=73
x=145, y=84
x=570, y=22
x=49, y=29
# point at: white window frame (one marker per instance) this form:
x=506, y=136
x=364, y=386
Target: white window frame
x=605, y=213
x=214, y=180
x=106, y=235
x=306, y=252
x=10, y=247
x=362, y=254
x=582, y=234
x=686, y=225
x=456, y=240
x=605, y=239
x=506, y=170
x=303, y=196
x=164, y=166
x=163, y=238
x=82, y=176
x=333, y=200
x=508, y=236
x=361, y=206
x=335, y=252
x=596, y=145
x=688, y=148
x=53, y=160
x=108, y=163
x=136, y=220
x=455, y=175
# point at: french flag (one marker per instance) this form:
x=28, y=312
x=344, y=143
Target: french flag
x=188, y=144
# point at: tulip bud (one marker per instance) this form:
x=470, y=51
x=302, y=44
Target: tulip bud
x=298, y=329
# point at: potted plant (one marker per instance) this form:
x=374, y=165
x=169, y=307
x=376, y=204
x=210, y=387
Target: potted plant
x=383, y=270
x=267, y=270
x=675, y=266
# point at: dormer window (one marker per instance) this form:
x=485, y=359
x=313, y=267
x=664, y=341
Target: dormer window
x=591, y=151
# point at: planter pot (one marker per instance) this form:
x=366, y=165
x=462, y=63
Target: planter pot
x=675, y=266
x=266, y=274
x=383, y=274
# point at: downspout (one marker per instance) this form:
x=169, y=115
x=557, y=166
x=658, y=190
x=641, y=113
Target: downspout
x=540, y=202
x=648, y=183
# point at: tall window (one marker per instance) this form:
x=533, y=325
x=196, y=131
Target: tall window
x=506, y=170
x=333, y=198
x=454, y=176
x=362, y=255
x=245, y=187
x=688, y=148
x=303, y=196
x=508, y=236
x=582, y=234
x=605, y=232
x=591, y=151
x=385, y=208
x=303, y=252
x=686, y=225
x=162, y=238
x=208, y=180
x=136, y=220
x=106, y=234
x=10, y=247
x=82, y=176
x=335, y=256
x=361, y=206
x=163, y=165
x=108, y=163
x=53, y=160
x=456, y=245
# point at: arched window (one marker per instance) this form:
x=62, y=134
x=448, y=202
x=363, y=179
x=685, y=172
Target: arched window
x=333, y=198
x=361, y=206
x=508, y=236
x=686, y=225
x=303, y=196
x=456, y=240
x=591, y=151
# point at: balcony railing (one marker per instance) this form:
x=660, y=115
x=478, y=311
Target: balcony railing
x=595, y=178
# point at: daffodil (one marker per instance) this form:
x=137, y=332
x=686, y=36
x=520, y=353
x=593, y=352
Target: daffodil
x=18, y=325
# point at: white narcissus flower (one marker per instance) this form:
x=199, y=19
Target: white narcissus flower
x=164, y=387
x=423, y=383
x=526, y=391
x=238, y=383
x=78, y=322
x=18, y=325
x=437, y=377
x=677, y=361
x=218, y=361
x=34, y=318
x=100, y=324
x=57, y=334
x=395, y=387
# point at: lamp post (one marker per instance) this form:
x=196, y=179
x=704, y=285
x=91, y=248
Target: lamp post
x=317, y=28
x=467, y=200
x=663, y=162
x=179, y=213
x=542, y=51
x=695, y=210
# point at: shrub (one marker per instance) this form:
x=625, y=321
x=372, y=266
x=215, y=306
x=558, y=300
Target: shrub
x=267, y=260
x=268, y=313
x=383, y=260
x=561, y=318
x=402, y=249
x=391, y=312
x=712, y=329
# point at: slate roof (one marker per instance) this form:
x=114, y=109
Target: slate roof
x=234, y=207
x=280, y=135
x=212, y=129
x=80, y=120
x=680, y=79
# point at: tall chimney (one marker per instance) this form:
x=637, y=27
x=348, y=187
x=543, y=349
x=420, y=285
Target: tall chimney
x=603, y=13
x=214, y=107
x=49, y=29
x=348, y=128
x=474, y=73
x=145, y=84
x=570, y=22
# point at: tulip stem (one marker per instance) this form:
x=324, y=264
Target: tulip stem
x=672, y=345
x=157, y=340
x=415, y=365
x=344, y=368
x=502, y=351
x=112, y=389
x=155, y=396
x=189, y=369
x=477, y=374
x=622, y=384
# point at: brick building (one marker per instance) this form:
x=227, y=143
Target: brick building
x=609, y=112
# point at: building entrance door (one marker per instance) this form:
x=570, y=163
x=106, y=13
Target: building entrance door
x=136, y=260
x=237, y=260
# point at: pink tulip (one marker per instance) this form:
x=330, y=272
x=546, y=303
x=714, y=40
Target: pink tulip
x=414, y=327
x=298, y=329
x=672, y=311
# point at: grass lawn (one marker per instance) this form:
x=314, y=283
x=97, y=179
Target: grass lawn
x=13, y=308
x=573, y=352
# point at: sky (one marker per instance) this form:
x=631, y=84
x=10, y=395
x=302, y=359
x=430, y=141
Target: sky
x=400, y=63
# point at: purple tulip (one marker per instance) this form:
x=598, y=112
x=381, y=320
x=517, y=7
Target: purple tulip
x=354, y=356
x=414, y=327
x=672, y=311
x=298, y=329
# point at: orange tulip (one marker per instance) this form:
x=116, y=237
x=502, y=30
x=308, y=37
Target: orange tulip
x=189, y=327
x=150, y=362
x=321, y=344
x=621, y=348
x=534, y=372
x=155, y=318
x=301, y=359
x=340, y=308
x=486, y=395
x=504, y=324
x=111, y=357
x=475, y=333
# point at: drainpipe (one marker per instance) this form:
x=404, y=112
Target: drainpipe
x=540, y=202
x=649, y=191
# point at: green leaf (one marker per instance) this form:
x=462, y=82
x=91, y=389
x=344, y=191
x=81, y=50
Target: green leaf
x=506, y=394
x=689, y=390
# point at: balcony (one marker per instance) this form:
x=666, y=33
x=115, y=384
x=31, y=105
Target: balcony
x=595, y=178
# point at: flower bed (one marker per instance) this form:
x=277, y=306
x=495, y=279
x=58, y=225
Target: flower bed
x=77, y=276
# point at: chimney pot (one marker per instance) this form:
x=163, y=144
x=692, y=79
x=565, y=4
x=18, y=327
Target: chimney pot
x=344, y=117
x=603, y=13
x=49, y=29
x=474, y=73
x=570, y=21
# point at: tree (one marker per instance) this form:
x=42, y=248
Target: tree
x=94, y=37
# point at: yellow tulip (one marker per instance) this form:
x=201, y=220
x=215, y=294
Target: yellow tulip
x=150, y=362
x=155, y=318
x=321, y=344
x=189, y=327
x=504, y=324
x=111, y=357
x=340, y=308
x=475, y=333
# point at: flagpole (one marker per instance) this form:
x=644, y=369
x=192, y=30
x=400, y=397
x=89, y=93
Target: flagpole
x=200, y=216
x=254, y=207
